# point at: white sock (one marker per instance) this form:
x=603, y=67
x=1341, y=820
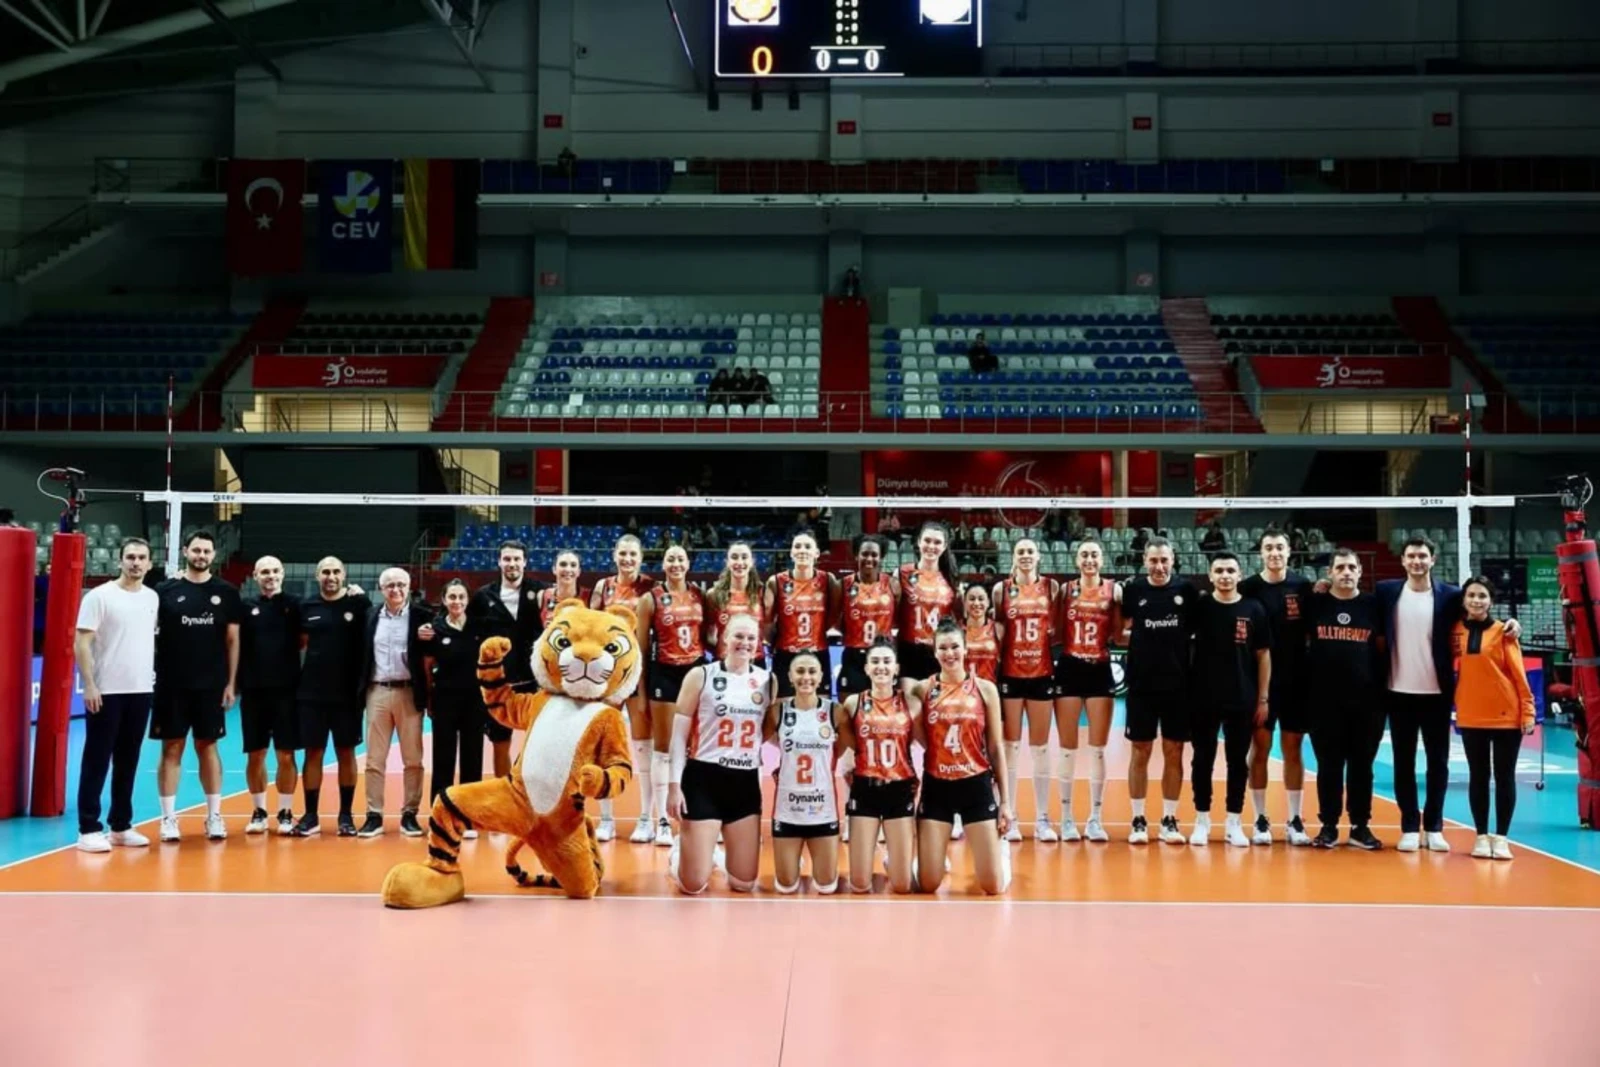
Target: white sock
x=1294, y=803
x=1258, y=797
x=1169, y=808
x=1097, y=779
x=1013, y=762
x=169, y=807
x=1136, y=807
x=660, y=772
x=259, y=800
x=642, y=751
x=605, y=810
x=1041, y=780
x=213, y=804
x=1067, y=772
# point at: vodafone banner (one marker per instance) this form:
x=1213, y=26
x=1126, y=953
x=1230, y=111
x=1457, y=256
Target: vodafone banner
x=1352, y=372
x=347, y=372
x=988, y=473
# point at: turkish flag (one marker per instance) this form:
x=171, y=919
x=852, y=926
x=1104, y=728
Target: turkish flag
x=266, y=222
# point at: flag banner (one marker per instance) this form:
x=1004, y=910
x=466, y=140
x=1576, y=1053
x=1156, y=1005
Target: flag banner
x=355, y=216
x=265, y=218
x=442, y=214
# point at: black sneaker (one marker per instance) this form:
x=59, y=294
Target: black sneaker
x=1328, y=838
x=347, y=824
x=308, y=826
x=1361, y=837
x=373, y=827
x=408, y=824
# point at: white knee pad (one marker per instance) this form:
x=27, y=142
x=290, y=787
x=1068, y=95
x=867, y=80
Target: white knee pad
x=740, y=885
x=827, y=888
x=786, y=890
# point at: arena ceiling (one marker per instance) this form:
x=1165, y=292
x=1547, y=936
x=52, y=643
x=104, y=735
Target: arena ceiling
x=56, y=54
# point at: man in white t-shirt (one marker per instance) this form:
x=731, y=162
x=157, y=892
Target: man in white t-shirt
x=116, y=653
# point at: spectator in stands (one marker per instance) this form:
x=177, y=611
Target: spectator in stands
x=851, y=289
x=1140, y=539
x=760, y=387
x=567, y=162
x=720, y=389
x=739, y=387
x=889, y=526
x=1213, y=540
x=979, y=357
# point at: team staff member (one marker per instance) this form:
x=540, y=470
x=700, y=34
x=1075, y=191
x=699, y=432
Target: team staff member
x=1494, y=710
x=329, y=698
x=1344, y=670
x=115, y=650
x=269, y=671
x=1023, y=606
x=197, y=665
x=674, y=615
x=509, y=608
x=1159, y=610
x=627, y=587
x=397, y=697
x=801, y=606
x=1285, y=597
x=1088, y=621
x=883, y=785
x=1233, y=669
x=868, y=609
x=455, y=701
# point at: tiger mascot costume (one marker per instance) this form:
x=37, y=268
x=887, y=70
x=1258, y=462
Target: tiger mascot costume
x=587, y=663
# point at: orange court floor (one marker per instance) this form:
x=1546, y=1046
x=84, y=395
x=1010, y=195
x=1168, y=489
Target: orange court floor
x=264, y=949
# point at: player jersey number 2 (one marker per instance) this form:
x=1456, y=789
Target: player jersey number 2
x=747, y=730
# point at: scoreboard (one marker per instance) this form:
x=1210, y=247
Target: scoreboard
x=848, y=38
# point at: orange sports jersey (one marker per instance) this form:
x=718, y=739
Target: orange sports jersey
x=801, y=605
x=868, y=610
x=678, y=622
x=613, y=591
x=738, y=604
x=1087, y=620
x=958, y=731
x=548, y=601
x=883, y=739
x=924, y=600
x=983, y=652
x=1025, y=610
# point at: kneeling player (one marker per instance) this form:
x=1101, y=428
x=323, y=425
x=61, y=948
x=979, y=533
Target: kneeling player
x=807, y=729
x=883, y=789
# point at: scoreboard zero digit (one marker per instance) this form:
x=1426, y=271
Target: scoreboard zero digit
x=849, y=38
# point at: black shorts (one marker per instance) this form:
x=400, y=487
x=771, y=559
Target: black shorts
x=320, y=718
x=874, y=798
x=720, y=794
x=666, y=680
x=972, y=799
x=1150, y=713
x=1082, y=679
x=1289, y=713
x=853, y=672
x=267, y=716
x=176, y=713
x=781, y=662
x=917, y=662
x=804, y=830
x=1027, y=688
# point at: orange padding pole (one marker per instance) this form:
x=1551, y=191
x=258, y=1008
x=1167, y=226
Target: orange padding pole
x=67, y=554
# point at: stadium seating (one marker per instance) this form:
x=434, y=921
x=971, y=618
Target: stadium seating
x=521, y=176
x=112, y=363
x=476, y=547
x=645, y=366
x=1057, y=366
x=1287, y=334
x=321, y=333
x=1541, y=360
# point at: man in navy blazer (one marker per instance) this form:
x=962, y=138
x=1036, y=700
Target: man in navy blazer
x=396, y=690
x=1420, y=613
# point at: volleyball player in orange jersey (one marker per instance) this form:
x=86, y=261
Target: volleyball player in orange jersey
x=1087, y=620
x=737, y=591
x=877, y=728
x=674, y=614
x=568, y=570
x=928, y=591
x=983, y=647
x=868, y=606
x=1024, y=607
x=800, y=606
x=963, y=767
x=626, y=587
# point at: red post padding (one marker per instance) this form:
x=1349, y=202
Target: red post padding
x=1578, y=569
x=17, y=547
x=67, y=552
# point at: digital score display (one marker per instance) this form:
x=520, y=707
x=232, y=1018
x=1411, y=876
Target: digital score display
x=849, y=38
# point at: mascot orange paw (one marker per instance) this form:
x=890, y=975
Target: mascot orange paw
x=416, y=885
x=591, y=780
x=494, y=650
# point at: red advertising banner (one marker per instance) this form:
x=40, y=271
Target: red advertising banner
x=989, y=473
x=1352, y=372
x=347, y=372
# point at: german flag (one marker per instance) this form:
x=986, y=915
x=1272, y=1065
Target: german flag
x=441, y=214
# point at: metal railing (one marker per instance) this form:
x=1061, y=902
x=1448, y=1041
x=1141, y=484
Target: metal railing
x=36, y=247
x=138, y=410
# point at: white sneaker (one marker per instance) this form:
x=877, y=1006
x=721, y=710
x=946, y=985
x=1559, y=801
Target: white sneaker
x=1042, y=831
x=1005, y=869
x=663, y=833
x=1094, y=831
x=1234, y=833
x=1014, y=832
x=1263, y=831
x=169, y=828
x=469, y=834
x=1408, y=843
x=1436, y=842
x=956, y=832
x=129, y=838
x=257, y=823
x=1140, y=834
x=1202, y=830
x=1170, y=834
x=1069, y=831
x=1502, y=847
x=1296, y=833
x=1481, y=848
x=643, y=831
x=606, y=830
x=285, y=822
x=216, y=827
x=95, y=842
x=844, y=830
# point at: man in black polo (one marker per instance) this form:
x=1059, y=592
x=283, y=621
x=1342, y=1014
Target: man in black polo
x=197, y=663
x=329, y=696
x=269, y=669
x=509, y=608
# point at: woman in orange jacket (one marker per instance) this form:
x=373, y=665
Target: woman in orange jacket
x=1494, y=709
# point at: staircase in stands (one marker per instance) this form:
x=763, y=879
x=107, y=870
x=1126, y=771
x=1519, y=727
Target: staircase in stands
x=846, y=374
x=205, y=408
x=471, y=403
x=1222, y=409
x=1426, y=321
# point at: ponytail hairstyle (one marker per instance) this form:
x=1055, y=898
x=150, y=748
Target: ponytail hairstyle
x=947, y=561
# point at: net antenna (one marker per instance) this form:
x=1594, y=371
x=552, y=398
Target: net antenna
x=75, y=500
